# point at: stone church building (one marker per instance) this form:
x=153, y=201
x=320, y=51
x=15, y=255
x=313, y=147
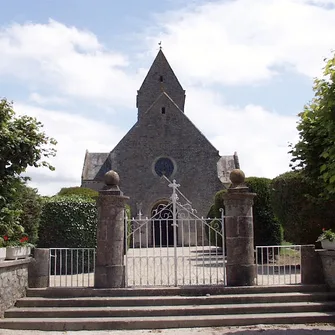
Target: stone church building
x=163, y=141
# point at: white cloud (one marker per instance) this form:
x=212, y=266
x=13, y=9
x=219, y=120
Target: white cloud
x=259, y=136
x=46, y=100
x=71, y=61
x=74, y=134
x=221, y=42
x=243, y=41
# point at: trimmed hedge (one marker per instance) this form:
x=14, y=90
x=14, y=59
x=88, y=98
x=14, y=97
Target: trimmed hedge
x=80, y=191
x=68, y=222
x=267, y=229
x=296, y=204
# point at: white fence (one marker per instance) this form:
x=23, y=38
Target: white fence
x=72, y=267
x=278, y=265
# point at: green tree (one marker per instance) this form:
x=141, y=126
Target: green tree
x=314, y=153
x=22, y=144
x=30, y=203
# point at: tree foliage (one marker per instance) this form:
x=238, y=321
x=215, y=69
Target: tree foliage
x=22, y=144
x=315, y=151
x=30, y=203
x=294, y=204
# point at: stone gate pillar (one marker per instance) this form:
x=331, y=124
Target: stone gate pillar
x=241, y=269
x=109, y=268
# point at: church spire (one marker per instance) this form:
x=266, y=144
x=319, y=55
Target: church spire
x=160, y=78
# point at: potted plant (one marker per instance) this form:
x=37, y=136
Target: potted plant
x=327, y=239
x=17, y=243
x=18, y=249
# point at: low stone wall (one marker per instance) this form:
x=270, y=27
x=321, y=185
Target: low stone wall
x=328, y=263
x=13, y=282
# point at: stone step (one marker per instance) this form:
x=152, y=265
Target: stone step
x=168, y=291
x=176, y=300
x=160, y=322
x=145, y=311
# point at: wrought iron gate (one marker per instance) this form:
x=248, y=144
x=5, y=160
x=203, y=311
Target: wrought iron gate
x=175, y=247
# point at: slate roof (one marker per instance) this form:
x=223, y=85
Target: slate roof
x=96, y=164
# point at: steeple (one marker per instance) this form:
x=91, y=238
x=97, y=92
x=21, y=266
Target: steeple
x=160, y=78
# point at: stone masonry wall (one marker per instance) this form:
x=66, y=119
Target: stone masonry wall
x=13, y=282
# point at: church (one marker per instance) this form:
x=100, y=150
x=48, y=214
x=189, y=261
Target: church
x=163, y=142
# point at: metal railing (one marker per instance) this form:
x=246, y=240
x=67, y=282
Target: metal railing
x=72, y=267
x=278, y=265
x=188, y=256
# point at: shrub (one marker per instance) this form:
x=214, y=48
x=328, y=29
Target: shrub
x=68, y=222
x=80, y=191
x=297, y=206
x=267, y=229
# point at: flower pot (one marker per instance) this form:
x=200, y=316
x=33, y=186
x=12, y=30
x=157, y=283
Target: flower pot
x=2, y=254
x=17, y=252
x=328, y=245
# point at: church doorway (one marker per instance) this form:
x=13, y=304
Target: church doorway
x=162, y=225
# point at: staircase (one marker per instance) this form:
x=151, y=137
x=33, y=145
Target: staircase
x=56, y=309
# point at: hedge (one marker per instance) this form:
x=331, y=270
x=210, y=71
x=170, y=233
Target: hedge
x=77, y=190
x=296, y=204
x=68, y=222
x=267, y=229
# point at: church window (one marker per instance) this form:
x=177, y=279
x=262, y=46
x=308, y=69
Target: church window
x=163, y=110
x=161, y=79
x=164, y=166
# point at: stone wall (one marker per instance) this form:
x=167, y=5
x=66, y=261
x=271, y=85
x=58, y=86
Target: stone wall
x=13, y=282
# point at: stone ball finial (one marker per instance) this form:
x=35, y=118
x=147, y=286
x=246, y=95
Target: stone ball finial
x=112, y=178
x=237, y=177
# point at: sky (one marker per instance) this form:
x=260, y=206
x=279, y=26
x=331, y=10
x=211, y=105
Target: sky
x=247, y=67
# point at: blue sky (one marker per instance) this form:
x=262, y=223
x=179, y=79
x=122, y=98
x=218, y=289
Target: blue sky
x=247, y=68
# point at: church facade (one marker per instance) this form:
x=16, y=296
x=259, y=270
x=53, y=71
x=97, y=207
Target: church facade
x=163, y=141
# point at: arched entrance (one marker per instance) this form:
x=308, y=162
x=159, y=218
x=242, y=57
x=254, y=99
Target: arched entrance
x=162, y=224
